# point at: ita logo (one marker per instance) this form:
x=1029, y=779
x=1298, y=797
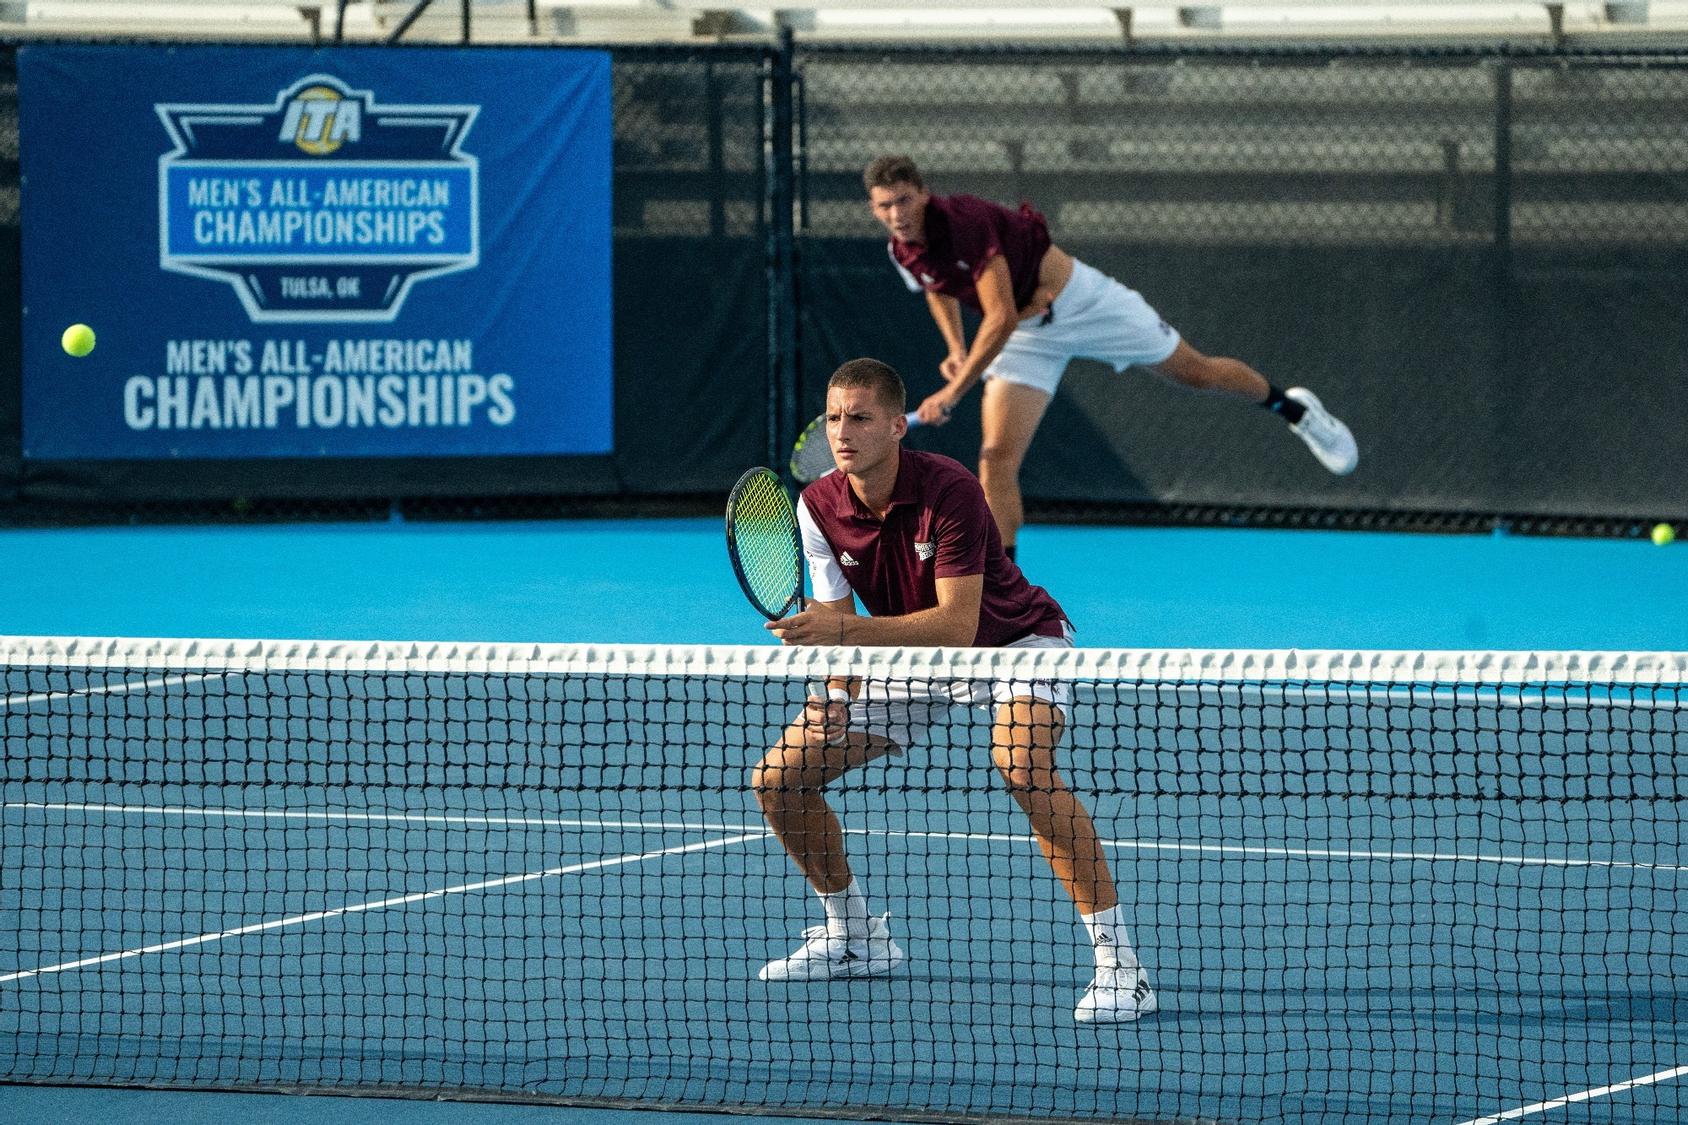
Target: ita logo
x=320, y=119
x=323, y=204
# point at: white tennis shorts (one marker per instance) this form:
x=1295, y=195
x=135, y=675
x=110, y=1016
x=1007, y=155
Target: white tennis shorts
x=903, y=710
x=1095, y=318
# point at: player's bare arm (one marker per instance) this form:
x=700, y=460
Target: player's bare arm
x=996, y=298
x=946, y=313
x=953, y=621
x=819, y=623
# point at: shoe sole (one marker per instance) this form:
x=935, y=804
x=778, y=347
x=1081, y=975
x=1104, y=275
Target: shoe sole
x=1341, y=469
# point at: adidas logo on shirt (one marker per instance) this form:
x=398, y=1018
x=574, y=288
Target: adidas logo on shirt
x=924, y=551
x=847, y=559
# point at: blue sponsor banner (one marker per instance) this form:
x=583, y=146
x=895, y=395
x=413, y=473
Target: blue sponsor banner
x=292, y=253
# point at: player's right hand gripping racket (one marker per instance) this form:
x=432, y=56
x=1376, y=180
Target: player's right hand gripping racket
x=763, y=543
x=811, y=457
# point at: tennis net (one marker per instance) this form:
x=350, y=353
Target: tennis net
x=1367, y=887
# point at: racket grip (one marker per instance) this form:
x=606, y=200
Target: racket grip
x=912, y=418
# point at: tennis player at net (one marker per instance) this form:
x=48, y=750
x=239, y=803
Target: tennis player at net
x=909, y=534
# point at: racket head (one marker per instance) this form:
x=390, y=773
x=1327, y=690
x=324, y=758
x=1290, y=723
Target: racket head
x=763, y=543
x=811, y=456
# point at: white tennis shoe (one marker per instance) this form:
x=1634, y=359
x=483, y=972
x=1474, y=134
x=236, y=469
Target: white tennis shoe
x=1324, y=433
x=1117, y=994
x=828, y=956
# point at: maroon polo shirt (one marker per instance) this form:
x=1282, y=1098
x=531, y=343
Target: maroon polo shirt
x=937, y=526
x=963, y=233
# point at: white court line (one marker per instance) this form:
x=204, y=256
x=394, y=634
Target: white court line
x=1290, y=853
x=365, y=907
x=347, y=816
x=1580, y=1096
x=1350, y=853
x=108, y=689
x=1260, y=850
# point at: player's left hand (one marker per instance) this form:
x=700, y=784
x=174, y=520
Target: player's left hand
x=829, y=716
x=935, y=410
x=812, y=626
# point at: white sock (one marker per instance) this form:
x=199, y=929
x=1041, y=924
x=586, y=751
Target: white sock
x=1108, y=939
x=846, y=911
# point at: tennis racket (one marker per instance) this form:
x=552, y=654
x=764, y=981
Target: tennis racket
x=762, y=542
x=811, y=457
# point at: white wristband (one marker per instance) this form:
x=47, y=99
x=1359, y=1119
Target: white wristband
x=838, y=695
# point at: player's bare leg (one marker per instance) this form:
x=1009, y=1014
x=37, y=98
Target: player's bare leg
x=1324, y=433
x=1213, y=374
x=1008, y=417
x=787, y=783
x=1023, y=742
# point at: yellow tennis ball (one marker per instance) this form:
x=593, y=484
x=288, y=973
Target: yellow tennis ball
x=78, y=339
x=1663, y=534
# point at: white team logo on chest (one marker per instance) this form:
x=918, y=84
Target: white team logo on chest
x=924, y=551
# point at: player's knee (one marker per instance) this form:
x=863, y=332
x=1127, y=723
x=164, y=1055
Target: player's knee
x=999, y=460
x=1018, y=771
x=1026, y=768
x=772, y=778
x=789, y=765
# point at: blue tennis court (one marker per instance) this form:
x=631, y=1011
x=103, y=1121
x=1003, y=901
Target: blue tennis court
x=515, y=884
x=666, y=581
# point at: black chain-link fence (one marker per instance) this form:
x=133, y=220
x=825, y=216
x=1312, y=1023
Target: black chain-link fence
x=1416, y=149
x=689, y=140
x=1598, y=153
x=1467, y=254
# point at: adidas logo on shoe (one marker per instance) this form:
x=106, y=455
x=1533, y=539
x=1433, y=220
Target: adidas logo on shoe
x=825, y=955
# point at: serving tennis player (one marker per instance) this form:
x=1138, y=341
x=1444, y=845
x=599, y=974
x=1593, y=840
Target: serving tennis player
x=910, y=535
x=1041, y=309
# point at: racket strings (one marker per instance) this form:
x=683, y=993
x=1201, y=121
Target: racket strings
x=764, y=536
